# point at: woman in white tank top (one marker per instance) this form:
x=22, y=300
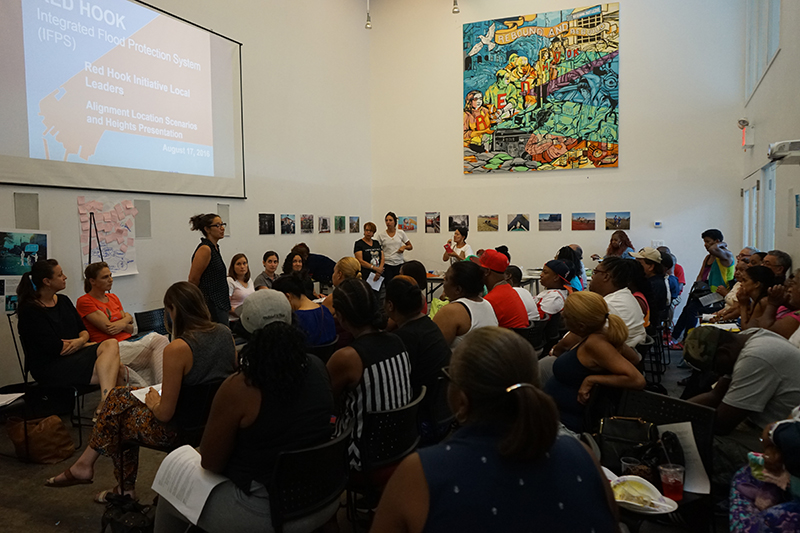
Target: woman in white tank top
x=463, y=284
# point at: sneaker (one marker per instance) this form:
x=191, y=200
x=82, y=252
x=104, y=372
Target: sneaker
x=683, y=365
x=675, y=345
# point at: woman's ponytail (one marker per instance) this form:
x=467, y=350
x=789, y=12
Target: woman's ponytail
x=617, y=331
x=535, y=425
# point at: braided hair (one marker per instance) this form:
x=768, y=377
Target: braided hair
x=275, y=361
x=355, y=301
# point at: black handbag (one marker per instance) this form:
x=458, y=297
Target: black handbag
x=666, y=450
x=624, y=437
x=124, y=515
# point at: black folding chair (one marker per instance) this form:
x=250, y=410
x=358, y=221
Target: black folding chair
x=535, y=334
x=436, y=420
x=307, y=481
x=324, y=351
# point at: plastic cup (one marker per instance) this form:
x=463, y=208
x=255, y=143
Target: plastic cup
x=628, y=465
x=672, y=481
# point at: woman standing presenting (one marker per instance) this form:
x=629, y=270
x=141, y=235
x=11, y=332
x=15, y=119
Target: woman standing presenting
x=393, y=243
x=208, y=270
x=461, y=250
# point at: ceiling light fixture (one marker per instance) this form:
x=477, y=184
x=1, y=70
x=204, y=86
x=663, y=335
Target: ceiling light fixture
x=456, y=10
x=368, y=25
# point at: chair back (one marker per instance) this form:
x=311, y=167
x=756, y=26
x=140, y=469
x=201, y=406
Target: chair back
x=192, y=410
x=553, y=331
x=660, y=409
x=388, y=436
x=308, y=480
x=435, y=417
x=152, y=320
x=534, y=334
x=324, y=351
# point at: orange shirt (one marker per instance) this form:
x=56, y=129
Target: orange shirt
x=87, y=305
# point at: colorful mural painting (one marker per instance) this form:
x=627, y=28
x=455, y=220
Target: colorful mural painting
x=541, y=92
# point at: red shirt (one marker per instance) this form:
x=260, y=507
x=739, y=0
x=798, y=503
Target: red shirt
x=679, y=274
x=112, y=309
x=508, y=307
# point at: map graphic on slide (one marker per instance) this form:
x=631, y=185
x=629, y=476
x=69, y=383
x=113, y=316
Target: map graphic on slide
x=112, y=83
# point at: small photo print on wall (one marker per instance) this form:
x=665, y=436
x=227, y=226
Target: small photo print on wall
x=306, y=223
x=583, y=221
x=11, y=303
x=618, y=220
x=549, y=221
x=519, y=222
x=457, y=221
x=287, y=224
x=433, y=222
x=266, y=223
x=324, y=224
x=355, y=225
x=407, y=224
x=340, y=223
x=487, y=222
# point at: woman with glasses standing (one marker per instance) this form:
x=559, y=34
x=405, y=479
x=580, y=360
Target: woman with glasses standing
x=208, y=270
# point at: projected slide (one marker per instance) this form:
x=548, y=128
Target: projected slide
x=113, y=83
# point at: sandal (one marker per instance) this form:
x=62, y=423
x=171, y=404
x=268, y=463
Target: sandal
x=101, y=497
x=68, y=481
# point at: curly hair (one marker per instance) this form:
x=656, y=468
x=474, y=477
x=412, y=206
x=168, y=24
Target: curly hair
x=275, y=361
x=625, y=243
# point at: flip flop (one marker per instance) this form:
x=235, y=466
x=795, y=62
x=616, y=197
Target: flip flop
x=101, y=497
x=69, y=480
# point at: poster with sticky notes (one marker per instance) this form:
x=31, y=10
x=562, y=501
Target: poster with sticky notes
x=108, y=232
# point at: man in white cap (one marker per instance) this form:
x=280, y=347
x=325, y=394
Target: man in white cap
x=264, y=307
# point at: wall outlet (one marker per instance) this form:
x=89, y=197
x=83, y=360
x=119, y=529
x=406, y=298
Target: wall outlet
x=656, y=244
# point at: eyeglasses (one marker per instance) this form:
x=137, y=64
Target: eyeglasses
x=220, y=225
x=447, y=376
x=598, y=271
x=743, y=258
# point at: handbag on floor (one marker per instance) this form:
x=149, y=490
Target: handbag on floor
x=48, y=441
x=124, y=515
x=624, y=437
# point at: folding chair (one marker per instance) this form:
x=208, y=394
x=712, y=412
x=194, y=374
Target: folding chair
x=324, y=351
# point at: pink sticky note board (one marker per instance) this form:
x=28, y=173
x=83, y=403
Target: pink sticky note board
x=85, y=226
x=127, y=204
x=130, y=241
x=120, y=239
x=81, y=200
x=84, y=218
x=84, y=238
x=134, y=211
x=82, y=210
x=118, y=209
x=85, y=250
x=106, y=216
x=123, y=248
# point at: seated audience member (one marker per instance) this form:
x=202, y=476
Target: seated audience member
x=295, y=263
x=760, y=383
x=582, y=268
x=507, y=305
x=597, y=358
x=717, y=270
x=428, y=351
x=505, y=468
x=770, y=503
x=747, y=255
x=659, y=301
x=314, y=319
x=457, y=248
x=779, y=262
x=611, y=279
x=105, y=319
x=240, y=285
x=55, y=339
x=320, y=267
x=462, y=285
x=752, y=298
x=550, y=301
x=280, y=400
x=374, y=371
x=786, y=298
x=262, y=308
x=731, y=310
x=675, y=271
x=619, y=246
x=758, y=258
x=570, y=258
x=673, y=287
x=202, y=352
x=514, y=278
x=264, y=279
x=416, y=270
x=345, y=268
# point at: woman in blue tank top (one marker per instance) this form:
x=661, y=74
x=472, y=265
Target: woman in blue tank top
x=505, y=469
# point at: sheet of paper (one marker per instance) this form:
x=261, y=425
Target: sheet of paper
x=6, y=399
x=139, y=394
x=695, y=478
x=710, y=299
x=184, y=483
x=376, y=285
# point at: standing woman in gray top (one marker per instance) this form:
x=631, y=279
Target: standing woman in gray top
x=202, y=352
x=208, y=270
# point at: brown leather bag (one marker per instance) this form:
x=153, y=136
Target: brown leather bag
x=49, y=441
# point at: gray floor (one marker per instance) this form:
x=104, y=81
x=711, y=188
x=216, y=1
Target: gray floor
x=26, y=505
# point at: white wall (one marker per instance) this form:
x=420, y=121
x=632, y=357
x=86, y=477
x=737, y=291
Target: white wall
x=681, y=87
x=306, y=117
x=774, y=113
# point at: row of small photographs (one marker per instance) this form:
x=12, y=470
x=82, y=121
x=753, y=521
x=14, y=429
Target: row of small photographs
x=515, y=222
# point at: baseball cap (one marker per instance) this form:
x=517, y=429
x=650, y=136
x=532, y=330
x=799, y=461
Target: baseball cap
x=648, y=253
x=700, y=347
x=494, y=260
x=559, y=267
x=264, y=307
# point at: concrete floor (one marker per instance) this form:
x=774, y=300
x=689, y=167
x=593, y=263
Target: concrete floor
x=26, y=505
